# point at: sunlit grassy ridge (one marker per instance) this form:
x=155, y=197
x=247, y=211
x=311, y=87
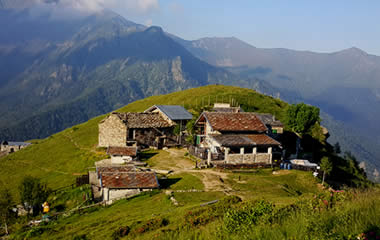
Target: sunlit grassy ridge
x=299, y=210
x=58, y=158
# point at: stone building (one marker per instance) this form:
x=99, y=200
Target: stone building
x=135, y=129
x=226, y=107
x=241, y=137
x=120, y=155
x=115, y=182
x=10, y=147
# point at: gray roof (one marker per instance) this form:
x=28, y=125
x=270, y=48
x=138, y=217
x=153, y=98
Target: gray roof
x=15, y=143
x=174, y=112
x=269, y=119
x=239, y=140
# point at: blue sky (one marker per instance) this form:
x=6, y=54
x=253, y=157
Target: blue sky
x=322, y=26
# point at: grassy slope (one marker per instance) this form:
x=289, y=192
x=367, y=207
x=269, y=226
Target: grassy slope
x=57, y=158
x=101, y=222
x=73, y=150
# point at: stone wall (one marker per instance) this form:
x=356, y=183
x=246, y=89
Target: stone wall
x=121, y=193
x=248, y=158
x=9, y=149
x=112, y=132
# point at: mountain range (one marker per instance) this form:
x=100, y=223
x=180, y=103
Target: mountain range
x=57, y=72
x=345, y=85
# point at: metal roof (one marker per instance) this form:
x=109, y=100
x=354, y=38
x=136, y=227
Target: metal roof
x=173, y=112
x=240, y=140
x=269, y=119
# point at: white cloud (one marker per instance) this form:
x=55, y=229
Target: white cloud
x=148, y=22
x=135, y=7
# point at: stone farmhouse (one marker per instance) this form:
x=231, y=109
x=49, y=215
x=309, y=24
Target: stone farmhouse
x=152, y=128
x=235, y=138
x=10, y=147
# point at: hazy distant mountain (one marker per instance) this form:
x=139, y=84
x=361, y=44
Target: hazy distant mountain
x=96, y=64
x=344, y=84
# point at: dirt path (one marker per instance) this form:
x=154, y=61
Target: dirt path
x=213, y=180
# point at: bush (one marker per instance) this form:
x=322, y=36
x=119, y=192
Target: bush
x=33, y=193
x=137, y=228
x=208, y=214
x=240, y=220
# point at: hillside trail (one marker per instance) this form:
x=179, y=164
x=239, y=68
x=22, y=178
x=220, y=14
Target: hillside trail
x=70, y=138
x=212, y=180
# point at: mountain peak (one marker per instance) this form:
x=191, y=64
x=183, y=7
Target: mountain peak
x=354, y=51
x=154, y=29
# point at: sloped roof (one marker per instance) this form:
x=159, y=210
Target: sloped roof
x=269, y=119
x=239, y=122
x=173, y=112
x=122, y=151
x=115, y=169
x=239, y=140
x=15, y=143
x=129, y=180
x=143, y=120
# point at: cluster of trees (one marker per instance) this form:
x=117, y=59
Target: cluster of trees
x=342, y=169
x=32, y=194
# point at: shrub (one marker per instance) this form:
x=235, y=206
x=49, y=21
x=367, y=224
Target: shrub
x=208, y=214
x=137, y=228
x=244, y=218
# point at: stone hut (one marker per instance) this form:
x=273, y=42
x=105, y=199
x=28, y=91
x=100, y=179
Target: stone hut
x=226, y=107
x=10, y=147
x=120, y=155
x=117, y=185
x=135, y=129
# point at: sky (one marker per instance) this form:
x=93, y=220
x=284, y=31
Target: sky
x=315, y=25
x=321, y=26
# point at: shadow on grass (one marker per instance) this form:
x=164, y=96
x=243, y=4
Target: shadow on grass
x=145, y=156
x=166, y=183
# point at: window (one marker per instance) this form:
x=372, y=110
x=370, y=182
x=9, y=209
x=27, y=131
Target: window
x=262, y=150
x=131, y=134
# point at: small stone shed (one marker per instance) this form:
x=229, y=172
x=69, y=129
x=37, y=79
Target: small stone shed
x=135, y=129
x=117, y=185
x=120, y=155
x=10, y=147
x=226, y=107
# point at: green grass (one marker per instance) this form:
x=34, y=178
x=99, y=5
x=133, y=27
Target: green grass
x=56, y=158
x=102, y=222
x=283, y=188
x=186, y=181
